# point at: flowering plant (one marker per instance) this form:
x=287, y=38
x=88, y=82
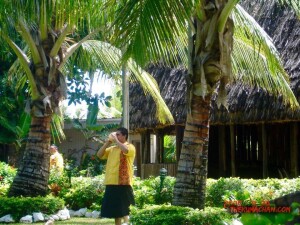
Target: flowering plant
x=7, y=173
x=92, y=166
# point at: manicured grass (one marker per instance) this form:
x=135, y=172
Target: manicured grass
x=77, y=221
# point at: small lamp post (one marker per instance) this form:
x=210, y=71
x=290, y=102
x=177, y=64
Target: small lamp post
x=162, y=175
x=69, y=173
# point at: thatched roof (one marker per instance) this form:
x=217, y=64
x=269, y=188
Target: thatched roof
x=251, y=105
x=246, y=105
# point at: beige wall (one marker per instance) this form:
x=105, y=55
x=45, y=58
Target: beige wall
x=74, y=146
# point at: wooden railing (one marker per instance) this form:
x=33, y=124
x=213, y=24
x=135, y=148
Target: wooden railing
x=153, y=169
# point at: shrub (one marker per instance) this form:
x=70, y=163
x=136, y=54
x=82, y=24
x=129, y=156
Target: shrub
x=20, y=206
x=289, y=217
x=149, y=191
x=210, y=215
x=169, y=215
x=143, y=192
x=58, y=182
x=260, y=191
x=270, y=188
x=159, y=214
x=84, y=192
x=92, y=165
x=7, y=174
x=216, y=190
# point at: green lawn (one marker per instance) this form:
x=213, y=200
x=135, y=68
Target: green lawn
x=77, y=221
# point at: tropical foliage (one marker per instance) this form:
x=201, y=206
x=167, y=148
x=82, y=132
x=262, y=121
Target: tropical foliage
x=7, y=174
x=154, y=199
x=57, y=35
x=218, y=42
x=14, y=123
x=169, y=149
x=19, y=207
x=51, y=40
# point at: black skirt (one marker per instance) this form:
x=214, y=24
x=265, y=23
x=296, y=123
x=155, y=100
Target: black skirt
x=116, y=201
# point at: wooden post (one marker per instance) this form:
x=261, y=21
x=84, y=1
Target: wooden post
x=179, y=138
x=294, y=149
x=138, y=158
x=125, y=98
x=265, y=151
x=159, y=146
x=146, y=147
x=232, y=151
x=222, y=151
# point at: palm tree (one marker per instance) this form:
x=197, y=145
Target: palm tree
x=54, y=38
x=223, y=43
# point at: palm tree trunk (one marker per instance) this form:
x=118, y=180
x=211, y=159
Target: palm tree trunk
x=191, y=177
x=33, y=173
x=209, y=65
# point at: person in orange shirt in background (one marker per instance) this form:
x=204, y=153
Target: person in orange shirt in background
x=118, y=194
x=56, y=159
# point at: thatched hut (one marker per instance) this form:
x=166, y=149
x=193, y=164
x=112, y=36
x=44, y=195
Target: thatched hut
x=258, y=135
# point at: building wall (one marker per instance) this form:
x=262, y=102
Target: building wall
x=75, y=145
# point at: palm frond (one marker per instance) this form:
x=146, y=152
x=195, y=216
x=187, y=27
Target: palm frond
x=24, y=61
x=5, y=123
x=28, y=38
x=77, y=13
x=57, y=127
x=150, y=86
x=94, y=54
x=16, y=72
x=154, y=30
x=255, y=59
x=24, y=124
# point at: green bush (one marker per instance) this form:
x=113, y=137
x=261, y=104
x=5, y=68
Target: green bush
x=7, y=174
x=260, y=191
x=291, y=216
x=92, y=165
x=170, y=215
x=143, y=192
x=20, y=206
x=216, y=190
x=59, y=178
x=88, y=191
x=270, y=188
x=210, y=215
x=58, y=183
x=159, y=214
x=248, y=191
x=149, y=191
x=84, y=192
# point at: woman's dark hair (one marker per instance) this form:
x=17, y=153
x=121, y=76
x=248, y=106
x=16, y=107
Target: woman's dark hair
x=123, y=131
